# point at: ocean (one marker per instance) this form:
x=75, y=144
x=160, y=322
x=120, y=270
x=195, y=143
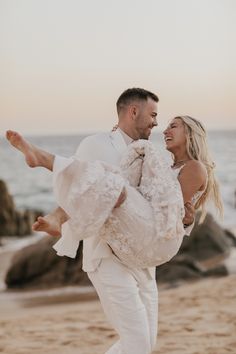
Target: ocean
x=32, y=188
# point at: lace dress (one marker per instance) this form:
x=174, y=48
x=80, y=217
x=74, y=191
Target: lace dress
x=146, y=230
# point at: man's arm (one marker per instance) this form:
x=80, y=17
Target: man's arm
x=93, y=148
x=89, y=150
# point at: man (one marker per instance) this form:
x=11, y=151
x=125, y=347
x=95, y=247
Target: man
x=129, y=296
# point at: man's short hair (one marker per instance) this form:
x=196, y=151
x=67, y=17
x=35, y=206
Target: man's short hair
x=134, y=94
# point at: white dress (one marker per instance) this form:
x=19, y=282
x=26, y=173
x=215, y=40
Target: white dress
x=147, y=229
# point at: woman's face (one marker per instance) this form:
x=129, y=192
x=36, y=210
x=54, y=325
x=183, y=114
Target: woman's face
x=175, y=135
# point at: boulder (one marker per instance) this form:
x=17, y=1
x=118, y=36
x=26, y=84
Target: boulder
x=208, y=239
x=7, y=211
x=201, y=254
x=231, y=237
x=182, y=267
x=14, y=222
x=38, y=266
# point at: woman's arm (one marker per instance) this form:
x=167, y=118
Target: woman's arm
x=192, y=178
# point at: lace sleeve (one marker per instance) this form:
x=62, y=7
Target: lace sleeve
x=132, y=163
x=87, y=191
x=145, y=167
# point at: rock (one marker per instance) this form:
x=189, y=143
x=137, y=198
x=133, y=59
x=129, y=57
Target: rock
x=202, y=254
x=231, y=237
x=7, y=212
x=179, y=268
x=207, y=240
x=184, y=267
x=38, y=266
x=14, y=222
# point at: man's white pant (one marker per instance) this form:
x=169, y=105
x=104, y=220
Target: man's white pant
x=130, y=301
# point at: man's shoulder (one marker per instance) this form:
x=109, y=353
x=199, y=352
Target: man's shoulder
x=93, y=145
x=99, y=137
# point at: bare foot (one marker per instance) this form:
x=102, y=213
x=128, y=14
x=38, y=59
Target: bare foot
x=34, y=156
x=49, y=224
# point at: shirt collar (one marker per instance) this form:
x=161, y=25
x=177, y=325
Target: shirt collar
x=128, y=140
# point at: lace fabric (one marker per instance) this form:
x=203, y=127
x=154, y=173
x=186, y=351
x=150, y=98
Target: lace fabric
x=146, y=230
x=87, y=191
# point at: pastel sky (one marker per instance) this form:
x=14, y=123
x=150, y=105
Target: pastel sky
x=63, y=63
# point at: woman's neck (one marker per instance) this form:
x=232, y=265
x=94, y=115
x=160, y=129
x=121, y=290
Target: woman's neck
x=180, y=159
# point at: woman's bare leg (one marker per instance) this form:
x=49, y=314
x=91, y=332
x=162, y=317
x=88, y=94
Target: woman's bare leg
x=34, y=156
x=51, y=223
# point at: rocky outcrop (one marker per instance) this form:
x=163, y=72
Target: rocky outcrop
x=38, y=266
x=208, y=239
x=14, y=222
x=202, y=254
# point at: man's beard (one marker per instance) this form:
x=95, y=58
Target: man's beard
x=144, y=137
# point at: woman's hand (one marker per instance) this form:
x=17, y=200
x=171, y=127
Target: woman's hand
x=189, y=216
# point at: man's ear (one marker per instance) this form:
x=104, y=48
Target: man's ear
x=133, y=111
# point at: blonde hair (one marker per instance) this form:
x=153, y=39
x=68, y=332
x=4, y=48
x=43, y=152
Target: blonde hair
x=197, y=149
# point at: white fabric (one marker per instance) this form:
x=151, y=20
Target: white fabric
x=128, y=140
x=98, y=259
x=130, y=302
x=107, y=147
x=87, y=192
x=147, y=232
x=147, y=229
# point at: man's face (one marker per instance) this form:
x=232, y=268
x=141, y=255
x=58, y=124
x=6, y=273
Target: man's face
x=146, y=118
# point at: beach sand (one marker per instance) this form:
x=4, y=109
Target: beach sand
x=195, y=318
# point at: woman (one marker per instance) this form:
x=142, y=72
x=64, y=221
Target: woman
x=186, y=139
x=147, y=228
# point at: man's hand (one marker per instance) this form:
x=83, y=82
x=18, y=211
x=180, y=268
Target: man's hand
x=121, y=198
x=189, y=214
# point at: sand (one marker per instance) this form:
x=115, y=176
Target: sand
x=195, y=318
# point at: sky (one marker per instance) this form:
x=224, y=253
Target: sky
x=64, y=63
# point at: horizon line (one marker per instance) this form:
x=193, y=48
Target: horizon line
x=104, y=131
